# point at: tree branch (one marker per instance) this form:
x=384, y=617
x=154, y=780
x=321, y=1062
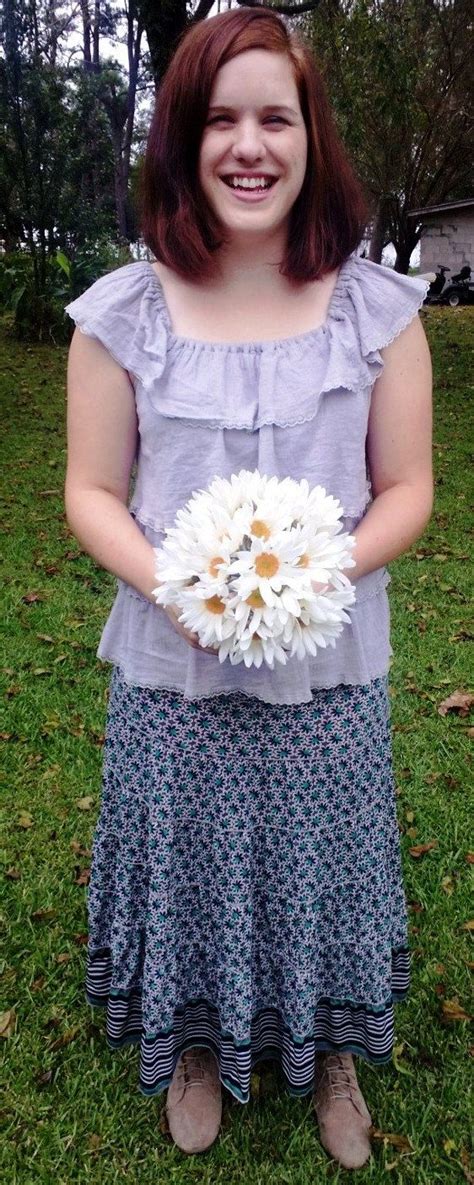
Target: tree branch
x=203, y=8
x=282, y=9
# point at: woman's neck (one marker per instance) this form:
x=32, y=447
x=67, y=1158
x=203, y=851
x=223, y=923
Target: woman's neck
x=250, y=265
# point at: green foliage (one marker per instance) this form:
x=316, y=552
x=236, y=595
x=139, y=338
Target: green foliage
x=34, y=315
x=400, y=81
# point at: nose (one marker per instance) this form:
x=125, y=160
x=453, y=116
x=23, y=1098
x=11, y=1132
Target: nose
x=248, y=141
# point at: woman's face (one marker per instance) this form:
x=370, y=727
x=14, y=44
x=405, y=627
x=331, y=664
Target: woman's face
x=254, y=133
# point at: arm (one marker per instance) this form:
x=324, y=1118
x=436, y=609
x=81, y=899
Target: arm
x=399, y=454
x=102, y=434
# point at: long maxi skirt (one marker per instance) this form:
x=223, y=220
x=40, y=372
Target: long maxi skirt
x=246, y=889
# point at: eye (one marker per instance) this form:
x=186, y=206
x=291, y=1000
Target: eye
x=277, y=117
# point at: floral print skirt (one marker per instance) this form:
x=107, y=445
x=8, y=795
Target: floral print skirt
x=246, y=888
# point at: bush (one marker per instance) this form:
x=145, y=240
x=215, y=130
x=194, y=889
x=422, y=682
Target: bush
x=37, y=310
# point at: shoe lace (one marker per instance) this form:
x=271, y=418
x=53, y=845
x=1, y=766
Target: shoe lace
x=192, y=1066
x=338, y=1076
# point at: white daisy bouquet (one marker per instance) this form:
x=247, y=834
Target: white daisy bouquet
x=240, y=565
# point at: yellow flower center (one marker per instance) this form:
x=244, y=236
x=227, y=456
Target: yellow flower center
x=255, y=600
x=266, y=564
x=214, y=604
x=259, y=528
x=303, y=561
x=217, y=559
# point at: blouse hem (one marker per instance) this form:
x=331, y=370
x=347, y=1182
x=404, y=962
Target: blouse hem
x=146, y=686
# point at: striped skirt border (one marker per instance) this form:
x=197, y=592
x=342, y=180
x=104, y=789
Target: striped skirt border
x=340, y=1026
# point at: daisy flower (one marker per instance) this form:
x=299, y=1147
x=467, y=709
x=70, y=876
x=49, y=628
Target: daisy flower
x=240, y=563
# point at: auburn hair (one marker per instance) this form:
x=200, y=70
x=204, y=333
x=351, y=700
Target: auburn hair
x=329, y=216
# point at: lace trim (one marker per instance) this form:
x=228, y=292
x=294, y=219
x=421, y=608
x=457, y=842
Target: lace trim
x=405, y=320
x=85, y=329
x=351, y=512
x=174, y=689
x=355, y=386
x=385, y=579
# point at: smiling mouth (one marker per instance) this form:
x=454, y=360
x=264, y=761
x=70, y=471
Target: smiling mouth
x=249, y=184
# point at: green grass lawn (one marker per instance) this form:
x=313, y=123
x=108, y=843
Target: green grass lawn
x=72, y=1110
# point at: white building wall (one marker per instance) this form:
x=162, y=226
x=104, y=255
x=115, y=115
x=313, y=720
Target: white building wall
x=447, y=238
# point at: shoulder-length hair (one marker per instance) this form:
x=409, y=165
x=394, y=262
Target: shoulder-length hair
x=328, y=218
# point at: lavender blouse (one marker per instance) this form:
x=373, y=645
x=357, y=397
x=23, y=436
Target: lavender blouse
x=296, y=406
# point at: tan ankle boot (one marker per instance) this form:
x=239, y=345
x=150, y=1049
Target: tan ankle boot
x=194, y=1101
x=343, y=1117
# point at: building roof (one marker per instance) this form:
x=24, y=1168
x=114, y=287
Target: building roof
x=463, y=204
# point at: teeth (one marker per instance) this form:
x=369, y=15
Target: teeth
x=250, y=183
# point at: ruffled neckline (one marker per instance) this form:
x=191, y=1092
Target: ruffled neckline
x=181, y=341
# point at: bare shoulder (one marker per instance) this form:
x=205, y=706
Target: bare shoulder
x=408, y=348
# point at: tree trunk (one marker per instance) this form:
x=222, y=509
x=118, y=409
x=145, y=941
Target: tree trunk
x=86, y=34
x=95, y=36
x=404, y=252
x=378, y=236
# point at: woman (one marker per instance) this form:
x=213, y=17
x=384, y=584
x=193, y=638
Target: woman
x=246, y=898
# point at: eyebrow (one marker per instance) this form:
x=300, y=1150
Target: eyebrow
x=267, y=107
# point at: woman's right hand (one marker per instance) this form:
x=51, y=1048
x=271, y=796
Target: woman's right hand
x=190, y=638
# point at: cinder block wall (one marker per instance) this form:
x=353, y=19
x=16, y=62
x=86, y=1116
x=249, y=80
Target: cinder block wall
x=448, y=238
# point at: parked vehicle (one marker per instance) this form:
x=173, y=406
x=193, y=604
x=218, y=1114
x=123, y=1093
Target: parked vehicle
x=459, y=289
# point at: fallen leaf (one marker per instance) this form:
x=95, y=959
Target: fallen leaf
x=24, y=820
x=447, y=884
x=81, y=939
x=421, y=848
x=449, y=1146
x=44, y=1078
x=466, y=1166
x=84, y=877
x=7, y=1023
x=45, y=638
x=13, y=874
x=401, y=1142
x=79, y=849
x=163, y=1123
x=468, y=925
x=460, y=702
x=66, y=1039
x=469, y=856
x=84, y=804
x=31, y=597
x=95, y=1142
x=43, y=915
x=400, y=1066
x=64, y=958
x=38, y=983
x=452, y=1011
